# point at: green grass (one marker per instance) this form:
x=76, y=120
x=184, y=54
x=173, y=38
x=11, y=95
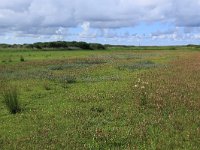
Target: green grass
x=114, y=99
x=11, y=99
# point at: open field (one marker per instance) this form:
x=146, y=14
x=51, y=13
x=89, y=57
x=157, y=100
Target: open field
x=104, y=99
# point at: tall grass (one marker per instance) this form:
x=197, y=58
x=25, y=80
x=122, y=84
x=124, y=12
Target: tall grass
x=11, y=99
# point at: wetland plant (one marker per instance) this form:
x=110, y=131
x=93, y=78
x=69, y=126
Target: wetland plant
x=11, y=99
x=22, y=59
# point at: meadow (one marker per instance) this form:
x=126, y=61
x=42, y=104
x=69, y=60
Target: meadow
x=124, y=98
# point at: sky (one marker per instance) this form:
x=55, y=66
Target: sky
x=127, y=22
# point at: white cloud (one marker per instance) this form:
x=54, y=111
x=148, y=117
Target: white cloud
x=100, y=13
x=97, y=18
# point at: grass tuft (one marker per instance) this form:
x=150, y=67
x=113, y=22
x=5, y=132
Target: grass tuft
x=68, y=79
x=47, y=86
x=11, y=99
x=22, y=59
x=97, y=109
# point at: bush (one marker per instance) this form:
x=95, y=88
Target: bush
x=11, y=99
x=95, y=46
x=22, y=58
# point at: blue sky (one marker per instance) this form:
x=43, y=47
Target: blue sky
x=128, y=22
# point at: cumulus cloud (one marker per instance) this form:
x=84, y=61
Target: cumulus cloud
x=96, y=18
x=185, y=13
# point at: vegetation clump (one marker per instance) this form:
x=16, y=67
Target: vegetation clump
x=57, y=45
x=138, y=65
x=22, y=58
x=11, y=99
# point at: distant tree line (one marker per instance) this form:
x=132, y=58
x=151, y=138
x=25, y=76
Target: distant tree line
x=57, y=45
x=193, y=46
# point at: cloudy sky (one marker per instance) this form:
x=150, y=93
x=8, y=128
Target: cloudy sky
x=130, y=22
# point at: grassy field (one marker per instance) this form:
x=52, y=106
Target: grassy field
x=109, y=99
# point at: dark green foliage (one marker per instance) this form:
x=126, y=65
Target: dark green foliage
x=193, y=45
x=5, y=45
x=96, y=46
x=22, y=58
x=83, y=45
x=67, y=45
x=97, y=109
x=57, y=45
x=172, y=48
x=37, y=45
x=11, y=99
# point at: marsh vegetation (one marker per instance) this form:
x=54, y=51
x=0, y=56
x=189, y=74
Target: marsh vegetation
x=111, y=99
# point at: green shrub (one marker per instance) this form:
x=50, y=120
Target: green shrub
x=22, y=58
x=11, y=99
x=97, y=109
